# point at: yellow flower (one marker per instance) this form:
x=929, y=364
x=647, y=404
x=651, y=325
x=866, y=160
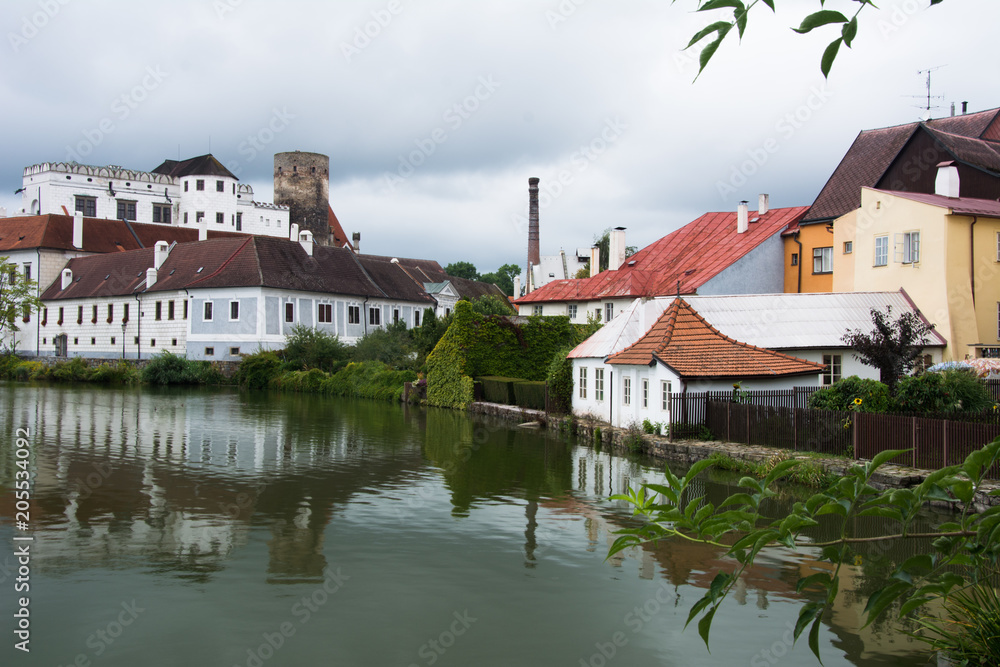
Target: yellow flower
x=857, y=401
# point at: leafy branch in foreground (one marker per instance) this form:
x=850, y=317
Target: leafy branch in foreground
x=741, y=10
x=965, y=550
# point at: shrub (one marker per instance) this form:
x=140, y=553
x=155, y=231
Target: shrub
x=841, y=395
x=8, y=364
x=948, y=391
x=498, y=389
x=633, y=439
x=257, y=370
x=306, y=347
x=167, y=368
x=447, y=384
x=530, y=395
x=74, y=370
x=120, y=372
x=560, y=381
x=391, y=346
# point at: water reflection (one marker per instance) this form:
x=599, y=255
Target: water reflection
x=250, y=496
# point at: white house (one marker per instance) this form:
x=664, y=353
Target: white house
x=220, y=298
x=625, y=377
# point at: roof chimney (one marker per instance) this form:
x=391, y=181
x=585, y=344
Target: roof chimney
x=616, y=248
x=150, y=277
x=595, y=260
x=306, y=241
x=78, y=230
x=160, y=252
x=293, y=232
x=67, y=278
x=534, y=257
x=763, y=204
x=946, y=183
x=965, y=108
x=742, y=214
x=203, y=229
x=356, y=242
x=517, y=286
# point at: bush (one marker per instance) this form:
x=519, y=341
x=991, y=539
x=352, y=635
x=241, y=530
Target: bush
x=391, y=346
x=841, y=395
x=498, y=389
x=530, y=395
x=120, y=372
x=560, y=381
x=74, y=370
x=949, y=391
x=306, y=347
x=257, y=370
x=167, y=368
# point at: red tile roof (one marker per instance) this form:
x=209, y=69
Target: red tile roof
x=873, y=151
x=692, y=255
x=338, y=236
x=99, y=235
x=682, y=340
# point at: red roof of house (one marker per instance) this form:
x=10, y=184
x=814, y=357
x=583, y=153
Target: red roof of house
x=692, y=255
x=99, y=235
x=970, y=138
x=337, y=234
x=693, y=348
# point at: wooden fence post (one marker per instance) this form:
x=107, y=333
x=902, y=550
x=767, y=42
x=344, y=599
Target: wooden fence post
x=795, y=427
x=854, y=434
x=944, y=429
x=729, y=420
x=913, y=441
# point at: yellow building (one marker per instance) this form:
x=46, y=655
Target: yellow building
x=809, y=254
x=944, y=251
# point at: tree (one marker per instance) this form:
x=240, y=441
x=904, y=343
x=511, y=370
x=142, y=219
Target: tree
x=17, y=302
x=503, y=278
x=462, y=270
x=959, y=564
x=741, y=10
x=893, y=346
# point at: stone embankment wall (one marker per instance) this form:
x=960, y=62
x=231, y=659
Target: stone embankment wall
x=690, y=451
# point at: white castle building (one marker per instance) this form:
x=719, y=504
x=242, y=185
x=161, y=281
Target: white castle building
x=185, y=193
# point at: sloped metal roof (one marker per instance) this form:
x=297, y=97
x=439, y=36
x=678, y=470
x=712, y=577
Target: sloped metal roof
x=625, y=329
x=796, y=321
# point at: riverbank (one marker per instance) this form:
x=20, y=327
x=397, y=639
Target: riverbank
x=690, y=451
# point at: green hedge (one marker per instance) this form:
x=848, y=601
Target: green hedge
x=447, y=384
x=498, y=389
x=530, y=395
x=367, y=379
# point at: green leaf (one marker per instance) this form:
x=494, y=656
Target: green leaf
x=770, y=3
x=882, y=457
x=807, y=615
x=720, y=27
x=779, y=470
x=913, y=603
x=850, y=31
x=719, y=4
x=814, y=639
x=749, y=483
x=705, y=626
x=738, y=499
x=695, y=470
x=698, y=607
x=820, y=578
x=882, y=598
x=818, y=19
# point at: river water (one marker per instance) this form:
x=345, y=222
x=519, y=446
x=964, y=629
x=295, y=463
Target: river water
x=209, y=527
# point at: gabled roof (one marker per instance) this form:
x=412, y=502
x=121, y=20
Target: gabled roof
x=203, y=165
x=683, y=260
x=625, y=329
x=250, y=261
x=958, y=205
x=338, y=236
x=55, y=232
x=691, y=347
x=873, y=151
x=800, y=321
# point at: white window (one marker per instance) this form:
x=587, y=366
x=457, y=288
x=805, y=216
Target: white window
x=572, y=306
x=823, y=260
x=375, y=316
x=665, y=395
x=354, y=314
x=908, y=247
x=599, y=384
x=207, y=315
x=289, y=312
x=609, y=312
x=234, y=311
x=645, y=393
x=626, y=390
x=881, y=251
x=325, y=314
x=833, y=368
x=583, y=382
x=536, y=310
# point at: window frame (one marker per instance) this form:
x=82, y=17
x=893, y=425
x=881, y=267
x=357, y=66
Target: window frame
x=665, y=395
x=199, y=185
x=289, y=312
x=220, y=218
x=834, y=369
x=571, y=309
x=626, y=390
x=324, y=313
x=848, y=247
x=645, y=392
x=823, y=258
x=234, y=310
x=374, y=316
x=354, y=314
x=881, y=252
x=599, y=384
x=130, y=208
x=86, y=205
x=208, y=311
x=609, y=312
x=582, y=382
x=161, y=213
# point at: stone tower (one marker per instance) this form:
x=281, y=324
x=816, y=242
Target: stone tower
x=302, y=183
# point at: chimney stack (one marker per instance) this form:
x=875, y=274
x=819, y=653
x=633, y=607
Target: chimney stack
x=534, y=255
x=742, y=217
x=78, y=230
x=763, y=204
x=356, y=242
x=293, y=231
x=67, y=278
x=517, y=286
x=947, y=183
x=595, y=260
x=965, y=108
x=150, y=277
x=203, y=230
x=160, y=252
x=616, y=248
x=306, y=241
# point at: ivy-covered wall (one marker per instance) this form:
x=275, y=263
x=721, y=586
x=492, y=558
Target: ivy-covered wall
x=476, y=345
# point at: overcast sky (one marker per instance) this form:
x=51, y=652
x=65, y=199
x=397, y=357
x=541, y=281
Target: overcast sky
x=436, y=113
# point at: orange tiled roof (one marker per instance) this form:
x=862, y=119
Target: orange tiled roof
x=684, y=341
x=691, y=255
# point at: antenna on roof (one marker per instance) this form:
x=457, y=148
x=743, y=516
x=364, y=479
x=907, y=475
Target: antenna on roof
x=927, y=106
x=678, y=289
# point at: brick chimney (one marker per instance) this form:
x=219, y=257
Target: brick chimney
x=534, y=255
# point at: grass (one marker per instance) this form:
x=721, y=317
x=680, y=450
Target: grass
x=806, y=474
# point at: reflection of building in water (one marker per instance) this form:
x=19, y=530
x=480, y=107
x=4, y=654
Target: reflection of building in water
x=177, y=485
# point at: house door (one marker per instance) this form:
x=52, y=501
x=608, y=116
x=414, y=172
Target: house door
x=62, y=345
